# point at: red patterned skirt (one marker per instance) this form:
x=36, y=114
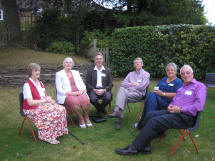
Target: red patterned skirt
x=50, y=121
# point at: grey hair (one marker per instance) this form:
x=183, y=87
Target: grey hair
x=187, y=66
x=173, y=65
x=99, y=53
x=138, y=58
x=68, y=59
x=31, y=67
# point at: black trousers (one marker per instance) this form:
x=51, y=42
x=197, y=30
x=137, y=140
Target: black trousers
x=106, y=99
x=156, y=122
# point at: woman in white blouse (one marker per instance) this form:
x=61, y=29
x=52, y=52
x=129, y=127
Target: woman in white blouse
x=71, y=91
x=49, y=117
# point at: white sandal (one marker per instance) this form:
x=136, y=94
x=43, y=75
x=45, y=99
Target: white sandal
x=54, y=142
x=89, y=124
x=83, y=126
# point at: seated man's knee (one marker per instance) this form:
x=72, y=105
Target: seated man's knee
x=121, y=89
x=107, y=96
x=93, y=97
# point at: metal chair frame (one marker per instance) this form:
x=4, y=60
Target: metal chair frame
x=25, y=117
x=141, y=106
x=187, y=130
x=210, y=80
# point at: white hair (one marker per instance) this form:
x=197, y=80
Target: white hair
x=138, y=58
x=68, y=59
x=186, y=66
x=99, y=53
x=173, y=65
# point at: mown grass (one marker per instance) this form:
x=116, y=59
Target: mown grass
x=19, y=57
x=101, y=140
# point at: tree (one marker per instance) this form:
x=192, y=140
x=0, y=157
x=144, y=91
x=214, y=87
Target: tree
x=12, y=18
x=158, y=12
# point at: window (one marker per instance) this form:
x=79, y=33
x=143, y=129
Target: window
x=1, y=14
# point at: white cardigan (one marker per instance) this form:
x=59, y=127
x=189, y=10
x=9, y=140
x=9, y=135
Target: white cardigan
x=63, y=84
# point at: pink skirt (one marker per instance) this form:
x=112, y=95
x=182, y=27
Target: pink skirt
x=50, y=121
x=72, y=101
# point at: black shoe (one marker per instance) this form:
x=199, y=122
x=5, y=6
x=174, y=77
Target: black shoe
x=129, y=150
x=146, y=150
x=117, y=124
x=98, y=119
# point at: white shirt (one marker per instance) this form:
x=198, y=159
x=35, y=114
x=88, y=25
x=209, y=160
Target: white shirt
x=99, y=76
x=27, y=89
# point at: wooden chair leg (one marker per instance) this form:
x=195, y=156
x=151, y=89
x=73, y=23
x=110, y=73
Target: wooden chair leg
x=193, y=141
x=110, y=107
x=140, y=110
x=177, y=143
x=29, y=125
x=128, y=108
x=20, y=130
x=70, y=116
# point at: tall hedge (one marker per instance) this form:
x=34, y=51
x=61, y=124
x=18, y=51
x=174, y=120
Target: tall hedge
x=159, y=45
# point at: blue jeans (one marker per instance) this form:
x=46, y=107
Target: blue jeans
x=153, y=102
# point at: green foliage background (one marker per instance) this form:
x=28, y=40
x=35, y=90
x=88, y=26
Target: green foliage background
x=61, y=47
x=159, y=45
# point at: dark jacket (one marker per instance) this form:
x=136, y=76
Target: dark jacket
x=91, y=79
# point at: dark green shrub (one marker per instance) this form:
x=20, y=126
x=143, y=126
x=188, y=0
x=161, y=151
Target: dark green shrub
x=53, y=26
x=102, y=38
x=90, y=36
x=159, y=45
x=61, y=47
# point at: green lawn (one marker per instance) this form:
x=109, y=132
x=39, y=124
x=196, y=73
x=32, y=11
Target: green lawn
x=19, y=57
x=101, y=140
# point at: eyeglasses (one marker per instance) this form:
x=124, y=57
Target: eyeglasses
x=187, y=72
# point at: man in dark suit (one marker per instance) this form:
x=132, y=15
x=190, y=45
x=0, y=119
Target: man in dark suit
x=99, y=84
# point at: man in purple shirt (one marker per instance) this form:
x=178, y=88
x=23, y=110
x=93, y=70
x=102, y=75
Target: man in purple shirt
x=133, y=89
x=180, y=114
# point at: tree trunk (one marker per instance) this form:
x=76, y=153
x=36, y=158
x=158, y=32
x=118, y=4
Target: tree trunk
x=12, y=18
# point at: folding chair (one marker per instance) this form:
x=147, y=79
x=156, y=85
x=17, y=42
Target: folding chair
x=193, y=128
x=70, y=115
x=141, y=106
x=25, y=117
x=210, y=80
x=110, y=107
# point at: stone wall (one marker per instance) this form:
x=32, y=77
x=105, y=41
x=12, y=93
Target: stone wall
x=17, y=77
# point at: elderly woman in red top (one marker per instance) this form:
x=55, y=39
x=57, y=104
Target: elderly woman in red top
x=49, y=117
